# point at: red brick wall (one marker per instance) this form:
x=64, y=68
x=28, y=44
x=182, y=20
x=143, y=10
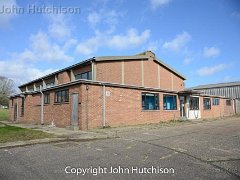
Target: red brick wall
x=132, y=73
x=150, y=73
x=83, y=69
x=216, y=110
x=123, y=107
x=63, y=77
x=165, y=78
x=109, y=71
x=112, y=72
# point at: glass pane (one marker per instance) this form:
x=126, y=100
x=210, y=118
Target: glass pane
x=90, y=75
x=84, y=76
x=78, y=76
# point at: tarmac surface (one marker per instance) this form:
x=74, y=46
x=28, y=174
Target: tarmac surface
x=194, y=150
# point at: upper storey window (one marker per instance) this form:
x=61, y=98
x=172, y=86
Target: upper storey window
x=50, y=84
x=85, y=75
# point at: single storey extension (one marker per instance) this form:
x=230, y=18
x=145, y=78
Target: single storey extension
x=112, y=91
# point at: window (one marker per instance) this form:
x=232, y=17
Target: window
x=169, y=102
x=228, y=102
x=150, y=101
x=85, y=75
x=30, y=89
x=47, y=98
x=194, y=103
x=37, y=88
x=215, y=102
x=206, y=103
x=50, y=84
x=62, y=96
x=22, y=107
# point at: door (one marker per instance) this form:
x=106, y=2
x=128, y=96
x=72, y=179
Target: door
x=182, y=106
x=15, y=112
x=74, y=120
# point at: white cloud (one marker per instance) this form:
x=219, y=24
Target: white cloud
x=108, y=19
x=178, y=42
x=21, y=72
x=118, y=41
x=206, y=71
x=211, y=52
x=128, y=40
x=158, y=3
x=94, y=18
x=58, y=26
x=43, y=49
x=153, y=46
x=6, y=17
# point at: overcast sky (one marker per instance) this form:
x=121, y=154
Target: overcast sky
x=199, y=38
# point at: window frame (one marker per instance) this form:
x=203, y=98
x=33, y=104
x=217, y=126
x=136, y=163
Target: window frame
x=61, y=96
x=46, y=98
x=191, y=106
x=207, y=106
x=50, y=84
x=215, y=101
x=88, y=73
x=144, y=101
x=172, y=107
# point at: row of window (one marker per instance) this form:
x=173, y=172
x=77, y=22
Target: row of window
x=194, y=103
x=60, y=97
x=85, y=75
x=150, y=101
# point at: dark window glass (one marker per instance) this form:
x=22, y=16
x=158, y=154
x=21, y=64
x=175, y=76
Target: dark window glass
x=85, y=75
x=47, y=98
x=50, y=84
x=78, y=76
x=194, y=103
x=206, y=103
x=150, y=101
x=62, y=96
x=169, y=102
x=228, y=102
x=215, y=101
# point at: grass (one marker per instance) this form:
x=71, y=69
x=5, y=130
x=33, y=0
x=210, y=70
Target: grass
x=12, y=133
x=3, y=114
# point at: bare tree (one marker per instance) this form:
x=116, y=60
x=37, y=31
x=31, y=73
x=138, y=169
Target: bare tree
x=6, y=89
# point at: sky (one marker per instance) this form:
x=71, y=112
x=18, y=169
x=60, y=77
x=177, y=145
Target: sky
x=198, y=38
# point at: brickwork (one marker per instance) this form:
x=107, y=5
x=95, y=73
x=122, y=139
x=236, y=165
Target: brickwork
x=109, y=71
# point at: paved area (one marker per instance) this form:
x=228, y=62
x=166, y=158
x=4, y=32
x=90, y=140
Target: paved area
x=202, y=150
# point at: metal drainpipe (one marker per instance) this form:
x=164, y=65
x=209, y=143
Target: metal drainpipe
x=42, y=101
x=104, y=107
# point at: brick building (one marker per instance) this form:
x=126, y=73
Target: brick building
x=112, y=91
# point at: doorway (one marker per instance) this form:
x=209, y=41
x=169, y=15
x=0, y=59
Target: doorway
x=74, y=118
x=182, y=106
